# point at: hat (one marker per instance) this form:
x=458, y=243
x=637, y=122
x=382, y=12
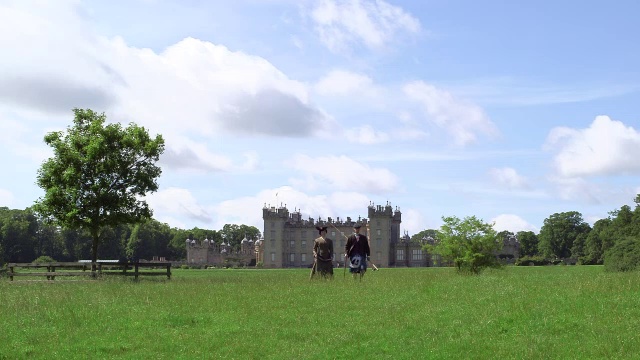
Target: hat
x=357, y=226
x=321, y=228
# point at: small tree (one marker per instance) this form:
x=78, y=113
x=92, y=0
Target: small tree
x=470, y=243
x=98, y=175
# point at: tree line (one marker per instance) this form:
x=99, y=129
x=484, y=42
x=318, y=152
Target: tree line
x=613, y=241
x=24, y=237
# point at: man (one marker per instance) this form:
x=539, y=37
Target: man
x=323, y=254
x=358, y=251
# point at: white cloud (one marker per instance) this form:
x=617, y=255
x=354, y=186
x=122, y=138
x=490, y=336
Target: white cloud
x=366, y=135
x=174, y=202
x=343, y=173
x=508, y=177
x=513, y=223
x=343, y=23
x=606, y=147
x=341, y=82
x=463, y=120
x=412, y=221
x=6, y=198
x=58, y=62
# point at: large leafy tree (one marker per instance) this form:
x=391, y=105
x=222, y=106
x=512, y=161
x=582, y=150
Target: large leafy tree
x=98, y=175
x=432, y=233
x=558, y=233
x=470, y=243
x=528, y=243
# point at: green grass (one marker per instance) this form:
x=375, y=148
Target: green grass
x=560, y=312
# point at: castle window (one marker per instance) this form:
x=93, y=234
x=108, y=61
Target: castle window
x=273, y=257
x=292, y=258
x=378, y=222
x=333, y=234
x=292, y=243
x=273, y=224
x=416, y=254
x=273, y=234
x=304, y=243
x=378, y=232
x=303, y=258
x=400, y=254
x=303, y=234
x=379, y=255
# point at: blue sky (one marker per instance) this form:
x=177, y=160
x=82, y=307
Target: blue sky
x=510, y=111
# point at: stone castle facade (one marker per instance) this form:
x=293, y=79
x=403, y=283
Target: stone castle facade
x=287, y=242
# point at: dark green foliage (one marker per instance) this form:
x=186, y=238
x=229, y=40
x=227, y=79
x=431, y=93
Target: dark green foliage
x=470, y=244
x=528, y=243
x=98, y=175
x=532, y=260
x=44, y=259
x=624, y=255
x=434, y=234
x=559, y=232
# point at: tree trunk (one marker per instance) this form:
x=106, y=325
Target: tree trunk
x=94, y=249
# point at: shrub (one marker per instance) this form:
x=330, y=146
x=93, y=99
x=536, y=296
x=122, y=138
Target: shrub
x=44, y=259
x=184, y=266
x=535, y=260
x=624, y=255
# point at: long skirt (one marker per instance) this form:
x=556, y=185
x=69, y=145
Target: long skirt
x=324, y=268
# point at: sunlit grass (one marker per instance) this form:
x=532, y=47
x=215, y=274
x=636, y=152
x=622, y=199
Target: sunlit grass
x=531, y=312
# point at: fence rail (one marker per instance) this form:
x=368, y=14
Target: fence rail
x=88, y=269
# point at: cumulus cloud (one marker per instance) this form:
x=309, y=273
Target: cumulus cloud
x=341, y=82
x=462, y=120
x=343, y=173
x=177, y=202
x=606, y=147
x=513, y=223
x=374, y=24
x=366, y=135
x=58, y=62
x=508, y=177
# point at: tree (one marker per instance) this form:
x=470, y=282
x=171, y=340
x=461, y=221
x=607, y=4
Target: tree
x=470, y=243
x=233, y=234
x=98, y=175
x=528, y=243
x=558, y=233
x=432, y=233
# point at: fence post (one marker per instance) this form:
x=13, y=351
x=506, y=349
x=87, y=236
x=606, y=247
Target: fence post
x=136, y=275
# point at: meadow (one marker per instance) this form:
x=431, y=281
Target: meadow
x=555, y=312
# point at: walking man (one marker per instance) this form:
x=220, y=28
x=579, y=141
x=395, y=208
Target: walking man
x=357, y=251
x=323, y=254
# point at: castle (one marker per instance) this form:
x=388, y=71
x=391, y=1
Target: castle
x=288, y=239
x=287, y=242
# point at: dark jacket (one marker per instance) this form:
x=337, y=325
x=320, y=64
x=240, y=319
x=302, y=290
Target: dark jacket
x=359, y=245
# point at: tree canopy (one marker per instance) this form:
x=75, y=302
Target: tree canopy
x=98, y=175
x=558, y=233
x=470, y=243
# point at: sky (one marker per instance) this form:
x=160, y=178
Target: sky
x=508, y=111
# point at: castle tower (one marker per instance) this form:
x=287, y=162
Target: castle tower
x=384, y=232
x=273, y=244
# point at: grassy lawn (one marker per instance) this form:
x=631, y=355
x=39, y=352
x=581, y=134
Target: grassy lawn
x=559, y=312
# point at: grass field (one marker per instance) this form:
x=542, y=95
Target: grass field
x=558, y=312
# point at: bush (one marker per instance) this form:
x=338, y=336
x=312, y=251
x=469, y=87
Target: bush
x=44, y=259
x=624, y=255
x=532, y=260
x=184, y=266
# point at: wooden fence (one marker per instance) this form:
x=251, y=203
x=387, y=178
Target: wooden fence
x=92, y=270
